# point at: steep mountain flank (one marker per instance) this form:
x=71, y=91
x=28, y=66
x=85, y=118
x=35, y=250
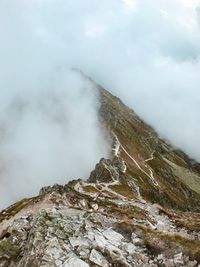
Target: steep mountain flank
x=137, y=208
x=164, y=175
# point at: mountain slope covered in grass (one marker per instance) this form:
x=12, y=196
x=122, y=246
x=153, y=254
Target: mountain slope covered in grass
x=140, y=207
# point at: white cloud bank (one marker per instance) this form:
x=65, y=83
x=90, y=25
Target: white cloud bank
x=49, y=134
x=146, y=52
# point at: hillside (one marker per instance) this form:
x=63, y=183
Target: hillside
x=140, y=207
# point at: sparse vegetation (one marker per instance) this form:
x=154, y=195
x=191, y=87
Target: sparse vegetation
x=15, y=208
x=8, y=248
x=123, y=190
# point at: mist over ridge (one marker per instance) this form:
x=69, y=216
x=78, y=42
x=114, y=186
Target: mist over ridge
x=145, y=52
x=48, y=136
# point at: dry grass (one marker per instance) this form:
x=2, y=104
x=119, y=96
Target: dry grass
x=187, y=220
x=157, y=242
x=18, y=206
x=90, y=189
x=123, y=190
x=172, y=243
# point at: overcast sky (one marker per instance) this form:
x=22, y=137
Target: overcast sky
x=144, y=51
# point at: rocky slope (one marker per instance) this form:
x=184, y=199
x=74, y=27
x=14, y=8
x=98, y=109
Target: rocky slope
x=138, y=208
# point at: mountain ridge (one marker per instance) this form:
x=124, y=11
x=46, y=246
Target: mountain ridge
x=140, y=207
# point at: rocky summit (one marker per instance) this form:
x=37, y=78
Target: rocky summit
x=140, y=207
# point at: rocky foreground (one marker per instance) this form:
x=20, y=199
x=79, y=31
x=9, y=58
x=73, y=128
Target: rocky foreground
x=92, y=224
x=138, y=208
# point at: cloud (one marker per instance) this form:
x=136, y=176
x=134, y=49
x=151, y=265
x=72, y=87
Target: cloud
x=49, y=134
x=146, y=52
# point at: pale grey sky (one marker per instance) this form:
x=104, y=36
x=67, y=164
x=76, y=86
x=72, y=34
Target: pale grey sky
x=145, y=51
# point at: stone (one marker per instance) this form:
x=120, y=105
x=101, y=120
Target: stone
x=116, y=255
x=160, y=257
x=160, y=226
x=129, y=248
x=140, y=257
x=169, y=263
x=137, y=241
x=94, y=206
x=113, y=237
x=178, y=259
x=79, y=242
x=192, y=263
x=91, y=236
x=97, y=258
x=114, y=250
x=100, y=241
x=83, y=203
x=74, y=261
x=58, y=262
x=84, y=253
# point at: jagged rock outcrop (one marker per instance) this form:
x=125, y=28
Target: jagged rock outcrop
x=138, y=208
x=55, y=188
x=108, y=170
